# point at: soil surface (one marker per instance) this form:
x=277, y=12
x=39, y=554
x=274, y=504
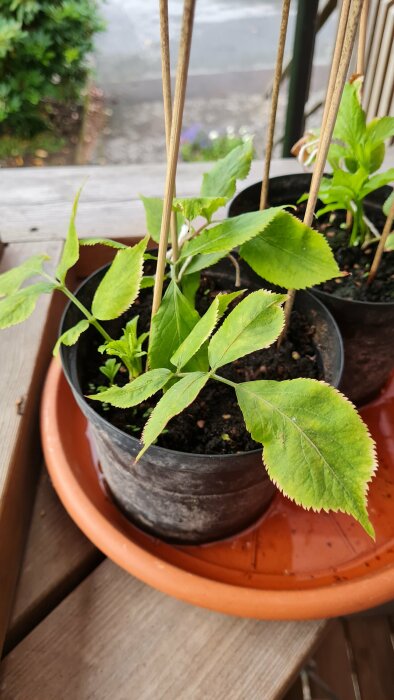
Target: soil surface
x=213, y=423
x=357, y=262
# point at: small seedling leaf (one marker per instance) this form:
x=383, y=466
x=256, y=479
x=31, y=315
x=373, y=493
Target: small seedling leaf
x=198, y=206
x=121, y=283
x=254, y=324
x=317, y=449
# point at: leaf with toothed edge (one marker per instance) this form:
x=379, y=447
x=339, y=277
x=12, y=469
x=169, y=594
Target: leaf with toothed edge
x=140, y=389
x=19, y=306
x=174, y=401
x=220, y=181
x=102, y=241
x=316, y=448
x=70, y=252
x=203, y=329
x=71, y=336
x=120, y=284
x=12, y=279
x=254, y=324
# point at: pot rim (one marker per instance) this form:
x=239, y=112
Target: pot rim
x=156, y=448
x=357, y=302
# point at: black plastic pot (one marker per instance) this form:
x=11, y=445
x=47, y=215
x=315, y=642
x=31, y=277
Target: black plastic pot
x=183, y=497
x=367, y=328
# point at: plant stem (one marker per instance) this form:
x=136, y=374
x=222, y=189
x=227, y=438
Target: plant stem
x=237, y=270
x=224, y=381
x=85, y=312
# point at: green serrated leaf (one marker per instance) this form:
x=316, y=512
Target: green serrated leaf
x=220, y=180
x=190, y=285
x=350, y=124
x=153, y=213
x=174, y=401
x=203, y=330
x=231, y=233
x=70, y=252
x=380, y=129
x=71, y=336
x=201, y=262
x=191, y=208
x=316, y=447
x=133, y=393
x=254, y=324
x=19, y=306
x=388, y=204
x=11, y=280
x=102, y=241
x=170, y=326
x=290, y=254
x=120, y=284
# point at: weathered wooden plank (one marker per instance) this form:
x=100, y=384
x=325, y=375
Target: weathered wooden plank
x=57, y=558
x=332, y=664
x=115, y=637
x=38, y=208
x=25, y=352
x=373, y=656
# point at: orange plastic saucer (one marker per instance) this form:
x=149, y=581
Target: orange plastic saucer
x=292, y=564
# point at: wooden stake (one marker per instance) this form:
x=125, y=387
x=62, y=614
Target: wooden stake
x=167, y=102
x=179, y=101
x=342, y=23
x=382, y=241
x=362, y=37
x=338, y=78
x=274, y=102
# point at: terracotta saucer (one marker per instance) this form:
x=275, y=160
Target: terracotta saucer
x=292, y=564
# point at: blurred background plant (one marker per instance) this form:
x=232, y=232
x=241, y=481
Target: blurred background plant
x=44, y=66
x=199, y=145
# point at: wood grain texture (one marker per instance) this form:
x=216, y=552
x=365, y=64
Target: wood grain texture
x=36, y=203
x=57, y=558
x=372, y=656
x=332, y=665
x=25, y=352
x=114, y=637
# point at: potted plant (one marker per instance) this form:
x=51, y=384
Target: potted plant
x=200, y=359
x=354, y=205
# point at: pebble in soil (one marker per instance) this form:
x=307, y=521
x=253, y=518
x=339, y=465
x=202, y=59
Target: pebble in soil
x=213, y=423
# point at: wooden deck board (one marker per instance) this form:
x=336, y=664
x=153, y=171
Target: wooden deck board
x=25, y=351
x=57, y=558
x=115, y=637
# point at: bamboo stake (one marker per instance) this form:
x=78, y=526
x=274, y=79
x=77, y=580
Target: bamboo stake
x=342, y=23
x=362, y=38
x=382, y=241
x=179, y=101
x=326, y=133
x=274, y=102
x=167, y=102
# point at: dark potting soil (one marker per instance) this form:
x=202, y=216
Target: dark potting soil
x=213, y=423
x=356, y=261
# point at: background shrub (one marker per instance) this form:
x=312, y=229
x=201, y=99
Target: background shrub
x=44, y=47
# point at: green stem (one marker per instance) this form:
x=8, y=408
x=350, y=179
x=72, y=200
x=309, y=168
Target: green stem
x=224, y=381
x=85, y=312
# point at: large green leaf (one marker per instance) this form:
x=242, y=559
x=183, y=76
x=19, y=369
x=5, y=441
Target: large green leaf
x=317, y=450
x=229, y=234
x=174, y=401
x=203, y=329
x=254, y=324
x=201, y=262
x=71, y=336
x=377, y=181
x=220, y=180
x=290, y=254
x=70, y=252
x=136, y=391
x=120, y=284
x=191, y=208
x=350, y=123
x=11, y=280
x=170, y=326
x=153, y=213
x=19, y=306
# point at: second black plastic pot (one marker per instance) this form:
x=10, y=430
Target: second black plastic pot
x=184, y=497
x=367, y=328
